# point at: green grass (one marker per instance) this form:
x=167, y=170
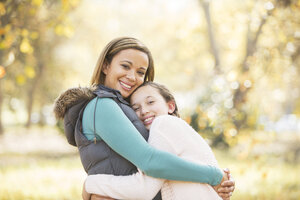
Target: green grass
x=38, y=177
x=46, y=173
x=262, y=177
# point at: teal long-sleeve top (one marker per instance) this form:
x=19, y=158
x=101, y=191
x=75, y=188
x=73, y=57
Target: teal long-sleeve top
x=119, y=133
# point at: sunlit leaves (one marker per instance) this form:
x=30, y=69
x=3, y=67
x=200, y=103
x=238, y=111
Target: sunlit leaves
x=2, y=71
x=37, y=2
x=2, y=9
x=29, y=72
x=21, y=79
x=62, y=30
x=25, y=46
x=69, y=4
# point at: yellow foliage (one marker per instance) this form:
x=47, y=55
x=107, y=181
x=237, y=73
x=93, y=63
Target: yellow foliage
x=68, y=31
x=21, y=79
x=264, y=175
x=65, y=5
x=59, y=29
x=64, y=30
x=34, y=35
x=32, y=11
x=68, y=4
x=6, y=43
x=25, y=46
x=24, y=32
x=2, y=71
x=2, y=9
x=37, y=2
x=2, y=31
x=282, y=37
x=202, y=123
x=29, y=71
x=188, y=119
x=7, y=27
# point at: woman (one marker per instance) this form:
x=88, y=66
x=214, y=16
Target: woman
x=110, y=137
x=154, y=105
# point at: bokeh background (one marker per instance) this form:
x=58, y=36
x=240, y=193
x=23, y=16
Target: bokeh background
x=233, y=66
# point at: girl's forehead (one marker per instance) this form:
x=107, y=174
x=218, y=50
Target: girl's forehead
x=143, y=92
x=146, y=90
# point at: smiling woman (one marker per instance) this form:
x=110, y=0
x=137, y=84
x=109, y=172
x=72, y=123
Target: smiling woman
x=126, y=71
x=110, y=137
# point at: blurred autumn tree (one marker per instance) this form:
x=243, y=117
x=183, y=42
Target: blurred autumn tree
x=29, y=31
x=271, y=53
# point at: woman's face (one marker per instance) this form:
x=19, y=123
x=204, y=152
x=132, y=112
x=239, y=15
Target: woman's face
x=126, y=71
x=148, y=103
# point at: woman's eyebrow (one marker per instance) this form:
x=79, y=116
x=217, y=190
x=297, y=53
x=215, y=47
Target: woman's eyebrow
x=129, y=62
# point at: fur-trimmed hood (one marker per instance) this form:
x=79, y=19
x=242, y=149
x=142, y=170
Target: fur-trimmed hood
x=70, y=98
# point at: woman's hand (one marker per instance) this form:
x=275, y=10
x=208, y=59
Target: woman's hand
x=225, y=178
x=226, y=187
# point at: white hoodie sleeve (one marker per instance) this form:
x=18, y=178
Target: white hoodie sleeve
x=136, y=186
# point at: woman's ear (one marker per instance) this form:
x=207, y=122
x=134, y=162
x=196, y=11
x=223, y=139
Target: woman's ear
x=105, y=68
x=171, y=107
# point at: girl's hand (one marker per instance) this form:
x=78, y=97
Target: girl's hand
x=226, y=187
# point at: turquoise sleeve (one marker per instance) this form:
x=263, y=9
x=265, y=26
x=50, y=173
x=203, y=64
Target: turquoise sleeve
x=119, y=133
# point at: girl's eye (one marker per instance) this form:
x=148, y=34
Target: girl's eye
x=150, y=102
x=136, y=109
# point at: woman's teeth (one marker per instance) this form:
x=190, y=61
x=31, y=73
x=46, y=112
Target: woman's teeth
x=125, y=85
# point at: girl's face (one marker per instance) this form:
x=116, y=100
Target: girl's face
x=148, y=103
x=126, y=71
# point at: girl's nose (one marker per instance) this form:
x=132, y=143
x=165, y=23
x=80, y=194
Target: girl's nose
x=144, y=111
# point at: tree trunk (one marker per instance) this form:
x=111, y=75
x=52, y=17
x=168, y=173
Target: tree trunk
x=211, y=36
x=1, y=101
x=40, y=68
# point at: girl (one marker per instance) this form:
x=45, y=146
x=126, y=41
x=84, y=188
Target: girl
x=110, y=137
x=157, y=109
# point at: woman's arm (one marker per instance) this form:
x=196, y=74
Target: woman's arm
x=119, y=133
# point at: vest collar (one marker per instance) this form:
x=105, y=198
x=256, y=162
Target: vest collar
x=103, y=91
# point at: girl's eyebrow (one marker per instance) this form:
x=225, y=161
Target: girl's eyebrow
x=146, y=98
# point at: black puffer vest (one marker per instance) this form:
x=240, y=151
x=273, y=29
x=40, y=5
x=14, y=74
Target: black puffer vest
x=99, y=158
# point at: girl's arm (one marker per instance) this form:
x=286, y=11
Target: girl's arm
x=136, y=186
x=120, y=134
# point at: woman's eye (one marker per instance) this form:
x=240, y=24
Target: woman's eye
x=141, y=73
x=125, y=66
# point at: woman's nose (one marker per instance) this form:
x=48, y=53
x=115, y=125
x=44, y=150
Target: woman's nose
x=130, y=75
